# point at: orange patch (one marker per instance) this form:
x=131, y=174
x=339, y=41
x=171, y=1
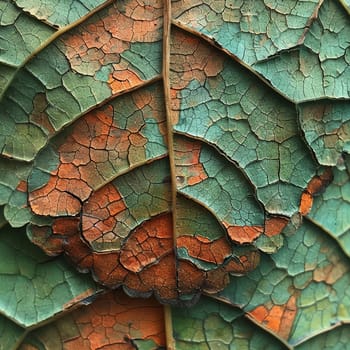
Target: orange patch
x=243, y=234
x=22, y=186
x=315, y=186
x=101, y=44
x=277, y=318
x=113, y=321
x=201, y=248
x=50, y=201
x=274, y=225
x=306, y=202
x=148, y=243
x=187, y=159
x=318, y=183
x=120, y=80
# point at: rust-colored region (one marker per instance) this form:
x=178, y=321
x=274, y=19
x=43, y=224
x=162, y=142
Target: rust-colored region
x=22, y=186
x=113, y=321
x=319, y=182
x=107, y=270
x=49, y=200
x=189, y=169
x=242, y=264
x=203, y=249
x=306, y=202
x=100, y=213
x=159, y=278
x=123, y=78
x=191, y=60
x=190, y=278
x=243, y=234
x=102, y=43
x=216, y=281
x=274, y=225
x=316, y=185
x=66, y=226
x=148, y=243
x=78, y=252
x=277, y=318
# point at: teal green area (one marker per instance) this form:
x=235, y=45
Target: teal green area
x=46, y=162
x=225, y=191
x=6, y=75
x=146, y=193
x=19, y=137
x=254, y=128
x=309, y=267
x=331, y=209
x=10, y=334
x=320, y=67
x=3, y=221
x=58, y=13
x=326, y=126
x=210, y=325
x=16, y=211
x=194, y=219
x=20, y=34
x=52, y=335
x=35, y=287
x=144, y=58
x=336, y=339
x=252, y=31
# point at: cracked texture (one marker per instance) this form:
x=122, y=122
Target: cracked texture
x=202, y=151
x=111, y=322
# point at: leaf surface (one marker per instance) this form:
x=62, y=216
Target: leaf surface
x=175, y=149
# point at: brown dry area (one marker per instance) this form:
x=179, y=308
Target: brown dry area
x=277, y=318
x=102, y=42
x=113, y=321
x=191, y=59
x=189, y=169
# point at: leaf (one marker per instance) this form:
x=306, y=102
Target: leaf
x=175, y=149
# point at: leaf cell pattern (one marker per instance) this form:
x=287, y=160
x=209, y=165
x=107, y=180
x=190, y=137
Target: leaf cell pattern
x=194, y=151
